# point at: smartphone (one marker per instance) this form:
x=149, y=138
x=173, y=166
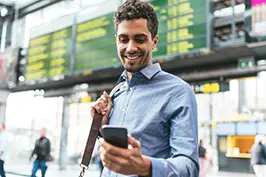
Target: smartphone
x=116, y=136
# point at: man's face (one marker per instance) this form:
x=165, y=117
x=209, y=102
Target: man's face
x=43, y=133
x=135, y=44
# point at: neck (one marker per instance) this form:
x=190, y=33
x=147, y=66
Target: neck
x=129, y=75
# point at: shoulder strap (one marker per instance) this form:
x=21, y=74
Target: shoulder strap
x=116, y=88
x=95, y=126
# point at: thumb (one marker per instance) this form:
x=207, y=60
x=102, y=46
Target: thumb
x=133, y=142
x=108, y=98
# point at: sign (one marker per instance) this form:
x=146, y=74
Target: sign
x=95, y=45
x=8, y=62
x=49, y=55
x=225, y=128
x=246, y=128
x=246, y=63
x=182, y=31
x=262, y=128
x=182, y=26
x=213, y=87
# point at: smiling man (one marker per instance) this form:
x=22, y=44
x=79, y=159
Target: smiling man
x=158, y=109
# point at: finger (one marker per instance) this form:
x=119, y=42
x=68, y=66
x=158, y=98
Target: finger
x=97, y=108
x=108, y=98
x=118, y=160
x=101, y=103
x=112, y=166
x=104, y=99
x=110, y=149
x=100, y=106
x=133, y=142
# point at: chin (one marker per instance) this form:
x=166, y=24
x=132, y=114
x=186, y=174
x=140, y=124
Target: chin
x=132, y=70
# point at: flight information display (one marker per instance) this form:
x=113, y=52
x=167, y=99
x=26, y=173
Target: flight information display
x=182, y=26
x=95, y=44
x=49, y=55
x=182, y=30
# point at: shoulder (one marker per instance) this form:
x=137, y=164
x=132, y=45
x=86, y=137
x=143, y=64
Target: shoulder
x=47, y=140
x=173, y=80
x=202, y=148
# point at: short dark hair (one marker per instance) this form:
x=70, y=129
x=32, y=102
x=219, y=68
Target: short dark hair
x=136, y=9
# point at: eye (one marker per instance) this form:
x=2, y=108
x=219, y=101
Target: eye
x=123, y=40
x=140, y=40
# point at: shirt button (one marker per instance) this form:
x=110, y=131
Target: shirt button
x=123, y=110
x=130, y=88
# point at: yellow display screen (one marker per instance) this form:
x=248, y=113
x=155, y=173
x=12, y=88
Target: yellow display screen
x=182, y=26
x=49, y=55
x=182, y=30
x=95, y=45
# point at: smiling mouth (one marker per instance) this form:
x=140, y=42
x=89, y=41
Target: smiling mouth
x=132, y=57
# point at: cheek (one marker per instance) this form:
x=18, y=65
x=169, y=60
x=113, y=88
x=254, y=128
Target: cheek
x=121, y=49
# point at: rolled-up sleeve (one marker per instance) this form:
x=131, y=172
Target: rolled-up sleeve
x=183, y=138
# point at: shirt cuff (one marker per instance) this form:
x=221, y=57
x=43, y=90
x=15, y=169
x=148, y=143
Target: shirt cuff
x=158, y=167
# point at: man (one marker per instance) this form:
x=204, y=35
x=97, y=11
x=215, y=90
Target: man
x=203, y=159
x=42, y=149
x=158, y=109
x=3, y=144
x=258, y=157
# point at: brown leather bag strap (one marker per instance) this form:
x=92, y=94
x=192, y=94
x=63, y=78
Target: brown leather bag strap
x=95, y=126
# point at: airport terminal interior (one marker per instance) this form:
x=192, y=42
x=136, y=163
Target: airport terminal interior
x=58, y=56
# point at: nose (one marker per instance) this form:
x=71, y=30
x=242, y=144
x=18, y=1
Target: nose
x=131, y=47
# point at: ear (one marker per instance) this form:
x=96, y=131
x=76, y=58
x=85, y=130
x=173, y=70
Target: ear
x=155, y=42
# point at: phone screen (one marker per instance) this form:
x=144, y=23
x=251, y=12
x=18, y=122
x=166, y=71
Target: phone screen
x=116, y=136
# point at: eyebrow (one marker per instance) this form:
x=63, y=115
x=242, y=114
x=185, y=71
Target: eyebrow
x=135, y=36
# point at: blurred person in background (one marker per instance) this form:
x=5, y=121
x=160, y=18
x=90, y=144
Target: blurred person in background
x=42, y=150
x=258, y=157
x=97, y=158
x=3, y=148
x=158, y=109
x=203, y=159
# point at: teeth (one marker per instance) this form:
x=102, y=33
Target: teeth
x=133, y=58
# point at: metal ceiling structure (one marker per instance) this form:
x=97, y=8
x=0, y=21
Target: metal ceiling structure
x=17, y=3
x=25, y=7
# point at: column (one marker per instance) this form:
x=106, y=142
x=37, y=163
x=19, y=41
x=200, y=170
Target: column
x=64, y=134
x=3, y=97
x=241, y=95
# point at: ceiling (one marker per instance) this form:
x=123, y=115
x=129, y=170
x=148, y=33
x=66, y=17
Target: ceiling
x=18, y=3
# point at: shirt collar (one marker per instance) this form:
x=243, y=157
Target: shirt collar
x=148, y=72
x=151, y=70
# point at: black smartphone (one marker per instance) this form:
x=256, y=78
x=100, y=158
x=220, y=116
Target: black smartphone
x=116, y=136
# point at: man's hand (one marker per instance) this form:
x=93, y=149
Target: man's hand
x=103, y=106
x=125, y=161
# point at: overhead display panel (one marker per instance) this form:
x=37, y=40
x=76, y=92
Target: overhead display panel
x=95, y=45
x=49, y=55
x=258, y=17
x=182, y=26
x=91, y=46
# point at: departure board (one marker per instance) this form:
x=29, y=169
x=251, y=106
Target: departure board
x=182, y=30
x=182, y=26
x=49, y=55
x=95, y=45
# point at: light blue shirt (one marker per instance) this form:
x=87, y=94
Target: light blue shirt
x=159, y=110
